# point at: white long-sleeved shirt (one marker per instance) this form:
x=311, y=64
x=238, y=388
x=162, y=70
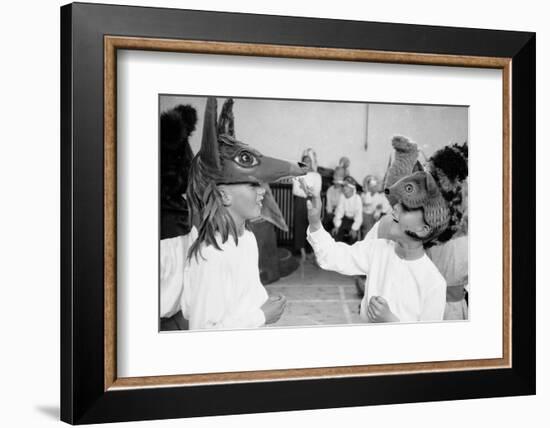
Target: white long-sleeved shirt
x=450, y=258
x=414, y=289
x=349, y=207
x=223, y=290
x=312, y=179
x=173, y=256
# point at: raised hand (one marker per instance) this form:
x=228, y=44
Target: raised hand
x=314, y=206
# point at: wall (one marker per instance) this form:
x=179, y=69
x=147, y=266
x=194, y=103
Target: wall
x=335, y=129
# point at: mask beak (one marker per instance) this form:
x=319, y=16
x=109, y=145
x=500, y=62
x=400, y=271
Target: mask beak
x=271, y=211
x=273, y=169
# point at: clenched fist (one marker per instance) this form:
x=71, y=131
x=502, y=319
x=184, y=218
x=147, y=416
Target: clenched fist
x=273, y=308
x=379, y=310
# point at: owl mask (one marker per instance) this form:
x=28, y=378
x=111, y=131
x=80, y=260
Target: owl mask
x=419, y=190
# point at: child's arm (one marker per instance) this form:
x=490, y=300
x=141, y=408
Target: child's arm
x=332, y=255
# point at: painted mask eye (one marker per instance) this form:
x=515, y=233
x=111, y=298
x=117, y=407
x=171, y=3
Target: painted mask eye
x=246, y=159
x=409, y=188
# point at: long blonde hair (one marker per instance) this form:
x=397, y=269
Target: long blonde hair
x=207, y=208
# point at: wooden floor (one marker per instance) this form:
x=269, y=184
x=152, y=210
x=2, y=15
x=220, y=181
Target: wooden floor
x=317, y=297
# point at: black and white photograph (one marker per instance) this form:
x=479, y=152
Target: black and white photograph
x=259, y=214
x=293, y=212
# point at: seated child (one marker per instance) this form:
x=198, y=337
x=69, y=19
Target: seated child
x=402, y=285
x=348, y=215
x=375, y=203
x=221, y=280
x=333, y=196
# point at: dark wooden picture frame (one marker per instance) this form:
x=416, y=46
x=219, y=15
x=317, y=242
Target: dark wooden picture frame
x=90, y=37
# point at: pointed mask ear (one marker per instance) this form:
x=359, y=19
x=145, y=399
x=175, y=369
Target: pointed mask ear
x=209, y=153
x=418, y=167
x=226, y=124
x=431, y=185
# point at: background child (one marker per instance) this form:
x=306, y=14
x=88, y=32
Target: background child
x=333, y=196
x=375, y=203
x=348, y=215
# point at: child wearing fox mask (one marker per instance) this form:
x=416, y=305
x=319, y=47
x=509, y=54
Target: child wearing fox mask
x=227, y=188
x=403, y=285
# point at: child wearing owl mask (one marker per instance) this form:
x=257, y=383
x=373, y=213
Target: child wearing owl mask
x=403, y=284
x=449, y=251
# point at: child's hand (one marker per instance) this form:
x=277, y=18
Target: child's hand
x=354, y=234
x=334, y=231
x=379, y=311
x=273, y=308
x=314, y=206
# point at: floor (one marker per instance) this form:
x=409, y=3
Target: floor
x=317, y=297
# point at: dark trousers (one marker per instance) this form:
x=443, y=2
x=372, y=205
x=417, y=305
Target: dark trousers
x=343, y=234
x=328, y=223
x=300, y=224
x=175, y=322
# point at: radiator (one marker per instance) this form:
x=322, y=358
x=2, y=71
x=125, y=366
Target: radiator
x=282, y=192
